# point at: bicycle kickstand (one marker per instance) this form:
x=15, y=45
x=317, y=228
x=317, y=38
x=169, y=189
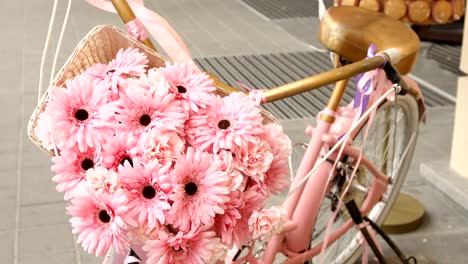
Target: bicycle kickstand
x=359, y=221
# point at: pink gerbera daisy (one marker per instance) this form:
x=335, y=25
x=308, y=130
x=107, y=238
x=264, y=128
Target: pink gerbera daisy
x=71, y=166
x=75, y=115
x=120, y=149
x=194, y=247
x=101, y=222
x=164, y=146
x=230, y=121
x=129, y=62
x=200, y=189
x=139, y=110
x=190, y=86
x=147, y=188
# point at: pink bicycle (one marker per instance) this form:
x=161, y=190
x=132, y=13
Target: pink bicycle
x=358, y=155
x=334, y=181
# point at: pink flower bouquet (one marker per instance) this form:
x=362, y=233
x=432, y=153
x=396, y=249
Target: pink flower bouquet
x=155, y=157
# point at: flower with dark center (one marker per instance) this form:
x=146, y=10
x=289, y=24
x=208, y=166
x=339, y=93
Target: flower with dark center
x=145, y=120
x=146, y=195
x=224, y=124
x=190, y=188
x=110, y=71
x=149, y=192
x=81, y=114
x=104, y=216
x=122, y=162
x=99, y=221
x=181, y=89
x=87, y=164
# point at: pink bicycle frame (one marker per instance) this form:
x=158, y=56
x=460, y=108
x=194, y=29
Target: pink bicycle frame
x=303, y=205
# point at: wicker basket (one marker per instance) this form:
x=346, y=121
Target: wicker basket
x=101, y=45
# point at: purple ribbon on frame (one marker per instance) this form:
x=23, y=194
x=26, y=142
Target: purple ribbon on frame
x=364, y=92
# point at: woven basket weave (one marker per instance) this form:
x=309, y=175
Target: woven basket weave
x=101, y=45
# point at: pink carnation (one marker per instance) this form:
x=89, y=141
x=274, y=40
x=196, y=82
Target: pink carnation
x=253, y=200
x=267, y=222
x=233, y=226
x=226, y=223
x=142, y=233
x=228, y=122
x=155, y=82
x=147, y=188
x=236, y=179
x=101, y=222
x=200, y=189
x=191, y=87
x=164, y=146
x=254, y=160
x=180, y=248
x=102, y=180
x=71, y=166
x=75, y=115
x=43, y=132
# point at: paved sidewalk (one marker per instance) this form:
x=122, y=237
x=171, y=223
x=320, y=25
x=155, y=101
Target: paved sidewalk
x=33, y=225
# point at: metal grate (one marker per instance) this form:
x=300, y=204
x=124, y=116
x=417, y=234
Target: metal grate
x=448, y=56
x=279, y=9
x=271, y=70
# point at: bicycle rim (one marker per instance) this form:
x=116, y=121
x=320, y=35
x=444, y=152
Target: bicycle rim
x=389, y=145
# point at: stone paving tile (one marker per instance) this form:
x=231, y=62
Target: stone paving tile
x=440, y=174
x=444, y=79
x=7, y=178
x=238, y=30
x=32, y=156
x=8, y=205
x=442, y=214
x=87, y=258
x=6, y=246
x=10, y=107
x=37, y=186
x=57, y=258
x=41, y=215
x=9, y=159
x=53, y=244
x=435, y=248
x=304, y=29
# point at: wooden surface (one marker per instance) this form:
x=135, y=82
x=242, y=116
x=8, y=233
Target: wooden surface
x=417, y=12
x=406, y=215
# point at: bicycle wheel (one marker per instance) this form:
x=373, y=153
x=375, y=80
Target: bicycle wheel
x=389, y=145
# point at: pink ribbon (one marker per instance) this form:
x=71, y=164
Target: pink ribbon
x=156, y=25
x=136, y=29
x=258, y=96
